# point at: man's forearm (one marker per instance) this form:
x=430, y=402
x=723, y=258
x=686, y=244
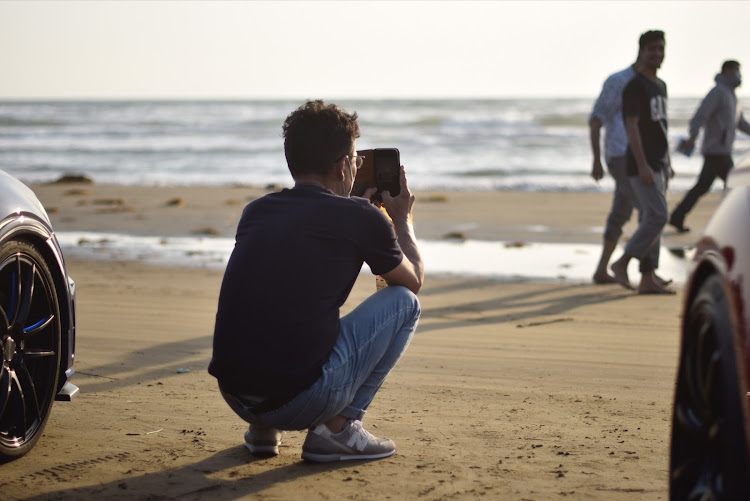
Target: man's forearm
x=594, y=129
x=700, y=117
x=634, y=140
x=407, y=240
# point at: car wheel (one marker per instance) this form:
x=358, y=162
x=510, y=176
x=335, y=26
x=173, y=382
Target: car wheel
x=30, y=331
x=709, y=457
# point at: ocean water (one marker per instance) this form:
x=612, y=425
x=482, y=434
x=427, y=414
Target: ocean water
x=503, y=144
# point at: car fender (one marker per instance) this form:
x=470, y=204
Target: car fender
x=16, y=197
x=724, y=249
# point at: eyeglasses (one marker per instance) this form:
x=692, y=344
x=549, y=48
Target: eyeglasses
x=356, y=160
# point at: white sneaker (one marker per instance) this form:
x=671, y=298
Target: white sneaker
x=262, y=441
x=353, y=442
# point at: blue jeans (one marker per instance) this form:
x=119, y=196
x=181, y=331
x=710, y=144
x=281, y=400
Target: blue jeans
x=371, y=340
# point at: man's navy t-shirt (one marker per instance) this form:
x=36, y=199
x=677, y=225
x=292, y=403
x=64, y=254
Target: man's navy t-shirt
x=647, y=99
x=297, y=255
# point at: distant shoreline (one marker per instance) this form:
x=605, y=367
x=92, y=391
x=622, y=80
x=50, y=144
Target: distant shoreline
x=495, y=144
x=165, y=99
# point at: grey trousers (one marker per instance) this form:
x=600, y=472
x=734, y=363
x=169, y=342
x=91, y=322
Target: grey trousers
x=652, y=203
x=623, y=200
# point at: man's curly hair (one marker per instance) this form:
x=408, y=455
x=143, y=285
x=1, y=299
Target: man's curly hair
x=316, y=135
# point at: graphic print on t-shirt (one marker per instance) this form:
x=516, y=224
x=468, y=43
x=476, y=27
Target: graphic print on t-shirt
x=658, y=105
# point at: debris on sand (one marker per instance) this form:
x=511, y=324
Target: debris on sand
x=175, y=202
x=73, y=178
x=454, y=235
x=208, y=231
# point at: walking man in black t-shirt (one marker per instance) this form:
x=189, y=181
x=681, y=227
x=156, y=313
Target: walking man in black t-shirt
x=644, y=107
x=283, y=357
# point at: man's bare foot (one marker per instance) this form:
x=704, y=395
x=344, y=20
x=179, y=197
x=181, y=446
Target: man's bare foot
x=602, y=277
x=651, y=284
x=662, y=281
x=654, y=289
x=621, y=274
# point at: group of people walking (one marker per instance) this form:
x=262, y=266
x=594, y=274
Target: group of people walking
x=632, y=108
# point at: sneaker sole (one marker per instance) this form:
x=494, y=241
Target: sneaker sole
x=328, y=458
x=262, y=450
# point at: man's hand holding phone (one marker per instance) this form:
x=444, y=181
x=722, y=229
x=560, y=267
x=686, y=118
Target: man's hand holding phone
x=399, y=207
x=382, y=180
x=380, y=170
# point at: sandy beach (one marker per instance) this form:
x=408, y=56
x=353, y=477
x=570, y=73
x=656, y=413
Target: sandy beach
x=519, y=391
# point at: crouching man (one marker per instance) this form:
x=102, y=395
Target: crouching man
x=283, y=357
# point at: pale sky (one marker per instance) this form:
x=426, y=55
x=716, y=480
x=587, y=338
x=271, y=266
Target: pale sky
x=332, y=50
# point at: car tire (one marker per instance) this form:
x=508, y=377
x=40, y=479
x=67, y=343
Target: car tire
x=709, y=452
x=30, y=333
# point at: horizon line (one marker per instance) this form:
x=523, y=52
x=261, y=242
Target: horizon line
x=293, y=98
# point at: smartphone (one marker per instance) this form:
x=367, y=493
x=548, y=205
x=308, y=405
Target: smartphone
x=382, y=169
x=683, y=149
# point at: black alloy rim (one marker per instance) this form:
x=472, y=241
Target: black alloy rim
x=29, y=328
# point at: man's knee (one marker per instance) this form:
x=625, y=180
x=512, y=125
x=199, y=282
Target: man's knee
x=703, y=185
x=612, y=232
x=656, y=222
x=408, y=298
x=615, y=222
x=660, y=218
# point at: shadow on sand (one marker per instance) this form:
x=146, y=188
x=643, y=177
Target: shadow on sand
x=200, y=480
x=517, y=308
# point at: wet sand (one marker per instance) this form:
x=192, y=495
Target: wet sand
x=559, y=217
x=508, y=391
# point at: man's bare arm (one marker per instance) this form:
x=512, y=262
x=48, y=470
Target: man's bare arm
x=636, y=146
x=410, y=273
x=595, y=125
